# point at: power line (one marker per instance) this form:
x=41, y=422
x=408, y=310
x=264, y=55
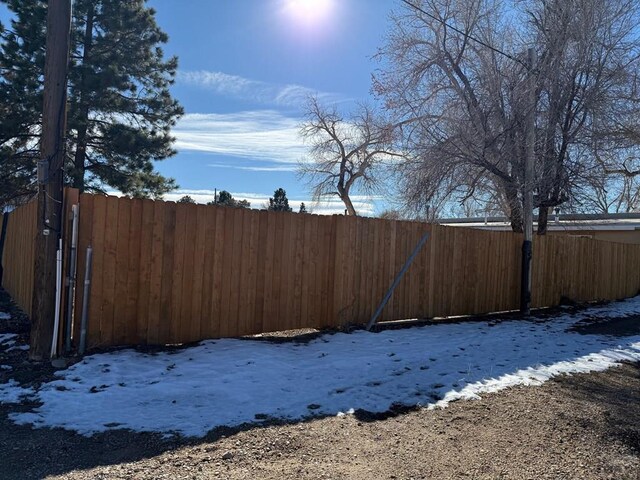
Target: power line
x=466, y=35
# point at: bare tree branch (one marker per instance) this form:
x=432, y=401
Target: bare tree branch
x=345, y=154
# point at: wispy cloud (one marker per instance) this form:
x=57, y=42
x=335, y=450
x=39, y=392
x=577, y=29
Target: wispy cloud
x=291, y=95
x=264, y=135
x=275, y=168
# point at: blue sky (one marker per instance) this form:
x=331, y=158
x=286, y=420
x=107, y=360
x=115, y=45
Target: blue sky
x=245, y=68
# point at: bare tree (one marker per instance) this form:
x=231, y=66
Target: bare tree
x=588, y=100
x=613, y=188
x=391, y=215
x=345, y=153
x=456, y=79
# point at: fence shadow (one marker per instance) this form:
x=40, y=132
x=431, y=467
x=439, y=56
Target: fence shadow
x=38, y=453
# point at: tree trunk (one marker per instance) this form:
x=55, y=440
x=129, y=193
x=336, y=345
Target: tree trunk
x=49, y=220
x=351, y=211
x=515, y=207
x=83, y=113
x=543, y=220
x=79, y=159
x=344, y=196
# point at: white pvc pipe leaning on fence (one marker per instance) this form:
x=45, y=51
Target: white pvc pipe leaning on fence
x=56, y=323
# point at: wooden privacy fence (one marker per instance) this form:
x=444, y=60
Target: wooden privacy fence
x=18, y=253
x=167, y=272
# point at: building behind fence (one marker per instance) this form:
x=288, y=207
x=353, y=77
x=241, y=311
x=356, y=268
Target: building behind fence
x=167, y=272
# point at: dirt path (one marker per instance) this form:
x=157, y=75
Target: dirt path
x=583, y=427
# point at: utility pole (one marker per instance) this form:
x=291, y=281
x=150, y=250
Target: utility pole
x=50, y=193
x=527, y=244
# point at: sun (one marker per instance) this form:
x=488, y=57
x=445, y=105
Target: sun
x=309, y=11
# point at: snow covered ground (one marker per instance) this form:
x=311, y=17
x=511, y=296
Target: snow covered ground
x=231, y=382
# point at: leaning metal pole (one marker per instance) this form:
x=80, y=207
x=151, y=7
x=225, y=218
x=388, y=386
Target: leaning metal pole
x=396, y=282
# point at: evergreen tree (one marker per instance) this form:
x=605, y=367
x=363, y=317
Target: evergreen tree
x=186, y=199
x=21, y=70
x=120, y=108
x=279, y=202
x=225, y=199
x=303, y=208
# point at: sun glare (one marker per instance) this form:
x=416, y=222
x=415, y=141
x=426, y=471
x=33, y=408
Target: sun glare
x=309, y=11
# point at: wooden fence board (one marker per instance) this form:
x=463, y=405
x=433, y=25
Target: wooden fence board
x=199, y=254
x=84, y=239
x=286, y=315
x=269, y=271
x=218, y=275
x=223, y=264
x=134, y=264
x=253, y=224
x=329, y=274
x=157, y=259
x=18, y=256
x=121, y=272
x=188, y=275
x=109, y=269
x=296, y=275
x=97, y=241
x=207, y=329
x=228, y=262
x=244, y=283
x=233, y=325
x=180, y=245
x=261, y=273
x=166, y=319
x=145, y=274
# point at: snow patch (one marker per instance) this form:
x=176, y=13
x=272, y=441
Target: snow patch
x=351, y=411
x=535, y=376
x=231, y=382
x=4, y=316
x=12, y=392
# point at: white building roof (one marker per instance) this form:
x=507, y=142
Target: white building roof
x=585, y=222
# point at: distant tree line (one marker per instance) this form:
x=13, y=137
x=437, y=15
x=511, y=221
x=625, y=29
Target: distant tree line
x=278, y=203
